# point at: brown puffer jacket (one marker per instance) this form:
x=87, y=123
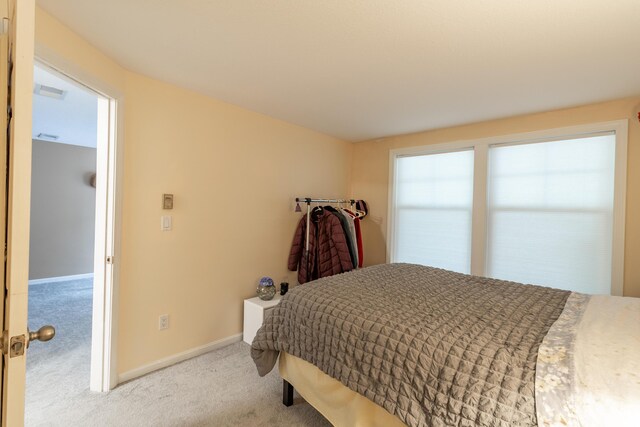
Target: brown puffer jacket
x=328, y=250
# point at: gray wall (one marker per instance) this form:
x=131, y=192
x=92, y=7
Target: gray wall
x=62, y=210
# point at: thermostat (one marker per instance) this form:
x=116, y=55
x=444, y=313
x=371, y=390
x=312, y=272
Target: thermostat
x=167, y=201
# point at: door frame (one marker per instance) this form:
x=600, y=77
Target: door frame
x=109, y=165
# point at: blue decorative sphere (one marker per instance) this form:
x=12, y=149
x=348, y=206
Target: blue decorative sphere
x=266, y=288
x=266, y=281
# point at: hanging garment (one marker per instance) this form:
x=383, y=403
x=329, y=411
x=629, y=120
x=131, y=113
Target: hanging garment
x=352, y=240
x=328, y=250
x=356, y=222
x=353, y=251
x=359, y=242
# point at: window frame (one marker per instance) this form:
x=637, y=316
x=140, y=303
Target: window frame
x=479, y=224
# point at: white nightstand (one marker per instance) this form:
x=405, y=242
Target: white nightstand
x=255, y=311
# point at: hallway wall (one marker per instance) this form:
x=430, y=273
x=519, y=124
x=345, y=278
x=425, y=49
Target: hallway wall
x=62, y=210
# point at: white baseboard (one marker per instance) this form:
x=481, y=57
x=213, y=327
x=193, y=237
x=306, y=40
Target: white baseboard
x=61, y=278
x=176, y=358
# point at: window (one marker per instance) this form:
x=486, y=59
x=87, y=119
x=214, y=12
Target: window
x=544, y=208
x=434, y=199
x=550, y=210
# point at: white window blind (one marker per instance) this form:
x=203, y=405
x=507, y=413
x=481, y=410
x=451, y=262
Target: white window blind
x=550, y=213
x=545, y=207
x=433, y=209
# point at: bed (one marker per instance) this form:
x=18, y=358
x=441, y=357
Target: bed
x=402, y=344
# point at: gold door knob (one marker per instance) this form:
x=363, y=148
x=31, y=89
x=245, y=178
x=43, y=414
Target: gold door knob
x=45, y=333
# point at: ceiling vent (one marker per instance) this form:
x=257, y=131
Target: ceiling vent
x=50, y=91
x=48, y=136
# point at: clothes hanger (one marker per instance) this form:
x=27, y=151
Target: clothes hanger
x=362, y=208
x=347, y=208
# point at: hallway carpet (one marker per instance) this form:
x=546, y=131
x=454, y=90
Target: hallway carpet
x=220, y=388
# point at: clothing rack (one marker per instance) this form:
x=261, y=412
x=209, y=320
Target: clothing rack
x=308, y=201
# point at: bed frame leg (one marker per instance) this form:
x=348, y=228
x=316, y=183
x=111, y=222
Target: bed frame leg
x=287, y=393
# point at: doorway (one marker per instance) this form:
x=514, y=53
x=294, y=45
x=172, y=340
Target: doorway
x=71, y=282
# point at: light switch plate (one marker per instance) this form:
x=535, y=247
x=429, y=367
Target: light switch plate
x=166, y=223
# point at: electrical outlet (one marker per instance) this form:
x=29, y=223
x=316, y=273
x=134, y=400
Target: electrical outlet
x=163, y=322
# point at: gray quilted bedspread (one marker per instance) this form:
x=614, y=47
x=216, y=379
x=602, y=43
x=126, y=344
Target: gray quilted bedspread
x=433, y=347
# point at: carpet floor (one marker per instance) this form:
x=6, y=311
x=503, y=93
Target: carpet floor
x=220, y=388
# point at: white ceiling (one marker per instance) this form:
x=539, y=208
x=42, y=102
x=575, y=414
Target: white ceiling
x=74, y=119
x=362, y=69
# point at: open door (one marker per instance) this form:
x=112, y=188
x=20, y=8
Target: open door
x=16, y=84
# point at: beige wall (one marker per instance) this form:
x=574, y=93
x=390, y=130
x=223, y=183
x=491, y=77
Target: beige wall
x=62, y=210
x=233, y=173
x=370, y=172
